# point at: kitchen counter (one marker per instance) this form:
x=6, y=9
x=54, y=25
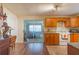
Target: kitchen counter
x=73, y=48
x=49, y=32
x=76, y=45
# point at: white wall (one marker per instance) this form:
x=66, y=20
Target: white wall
x=20, y=30
x=12, y=22
x=17, y=23
x=21, y=25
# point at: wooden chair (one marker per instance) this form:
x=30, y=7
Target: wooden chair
x=12, y=41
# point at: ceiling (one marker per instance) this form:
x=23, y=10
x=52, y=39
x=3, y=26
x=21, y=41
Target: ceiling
x=42, y=9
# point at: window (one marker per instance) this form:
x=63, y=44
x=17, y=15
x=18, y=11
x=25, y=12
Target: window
x=35, y=28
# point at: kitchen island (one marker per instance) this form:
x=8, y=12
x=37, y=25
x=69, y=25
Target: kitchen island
x=4, y=46
x=73, y=48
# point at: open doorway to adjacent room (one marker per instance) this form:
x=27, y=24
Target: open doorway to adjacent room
x=33, y=31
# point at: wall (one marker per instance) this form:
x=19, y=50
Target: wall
x=21, y=25
x=20, y=30
x=12, y=22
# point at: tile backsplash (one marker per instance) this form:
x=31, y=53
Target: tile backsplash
x=50, y=30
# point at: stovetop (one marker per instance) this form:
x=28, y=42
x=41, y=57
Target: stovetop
x=74, y=30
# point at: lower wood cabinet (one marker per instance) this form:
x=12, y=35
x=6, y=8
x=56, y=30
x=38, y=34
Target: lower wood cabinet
x=74, y=37
x=72, y=50
x=4, y=47
x=51, y=39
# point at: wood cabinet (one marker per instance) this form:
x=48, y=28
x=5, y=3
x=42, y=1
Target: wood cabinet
x=72, y=50
x=51, y=22
x=47, y=38
x=56, y=38
x=68, y=21
x=65, y=20
x=4, y=47
x=74, y=37
x=74, y=22
x=77, y=21
x=51, y=38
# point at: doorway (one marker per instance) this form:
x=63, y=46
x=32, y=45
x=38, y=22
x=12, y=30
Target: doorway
x=33, y=31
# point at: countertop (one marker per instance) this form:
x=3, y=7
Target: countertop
x=50, y=32
x=76, y=45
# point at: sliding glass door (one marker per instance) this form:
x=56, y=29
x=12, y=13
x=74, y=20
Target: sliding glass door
x=34, y=31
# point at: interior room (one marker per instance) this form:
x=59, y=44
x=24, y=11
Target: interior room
x=39, y=28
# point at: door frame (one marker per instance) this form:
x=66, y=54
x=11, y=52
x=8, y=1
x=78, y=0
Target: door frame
x=28, y=20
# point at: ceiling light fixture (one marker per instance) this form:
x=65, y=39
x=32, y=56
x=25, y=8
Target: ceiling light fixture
x=57, y=6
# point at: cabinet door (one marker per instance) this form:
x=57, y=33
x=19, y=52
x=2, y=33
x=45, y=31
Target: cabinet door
x=71, y=37
x=74, y=37
x=56, y=39
x=51, y=22
x=47, y=39
x=52, y=39
x=77, y=21
x=67, y=22
x=74, y=22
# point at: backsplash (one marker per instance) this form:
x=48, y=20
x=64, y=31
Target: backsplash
x=58, y=29
x=52, y=30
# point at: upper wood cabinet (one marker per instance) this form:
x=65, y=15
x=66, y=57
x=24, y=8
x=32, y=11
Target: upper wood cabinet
x=65, y=20
x=74, y=22
x=77, y=21
x=51, y=22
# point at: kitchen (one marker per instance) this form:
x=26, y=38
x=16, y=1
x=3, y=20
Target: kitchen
x=63, y=31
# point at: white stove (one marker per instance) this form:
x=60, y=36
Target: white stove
x=64, y=35
x=64, y=38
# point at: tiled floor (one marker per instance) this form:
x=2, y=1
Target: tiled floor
x=57, y=50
